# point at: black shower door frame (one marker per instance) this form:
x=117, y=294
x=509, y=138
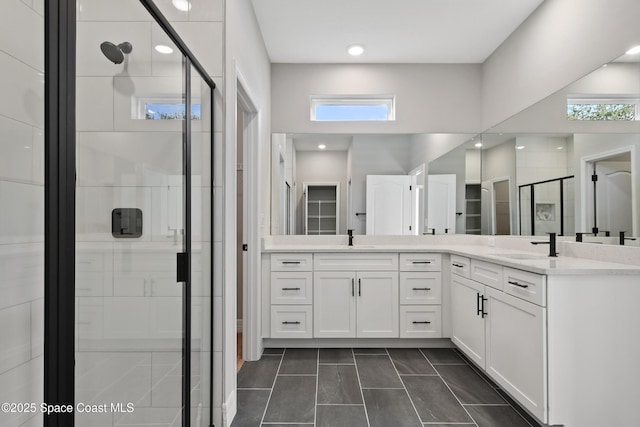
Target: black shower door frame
x=60, y=204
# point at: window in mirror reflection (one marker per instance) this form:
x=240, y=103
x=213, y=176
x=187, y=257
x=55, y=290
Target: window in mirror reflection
x=611, y=109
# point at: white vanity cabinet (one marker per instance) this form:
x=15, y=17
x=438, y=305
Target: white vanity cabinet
x=503, y=334
x=291, y=295
x=420, y=295
x=350, y=302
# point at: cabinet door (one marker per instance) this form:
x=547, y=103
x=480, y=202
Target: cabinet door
x=334, y=305
x=467, y=325
x=378, y=308
x=516, y=349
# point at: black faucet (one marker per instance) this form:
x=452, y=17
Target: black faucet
x=622, y=238
x=551, y=243
x=350, y=232
x=432, y=232
x=579, y=237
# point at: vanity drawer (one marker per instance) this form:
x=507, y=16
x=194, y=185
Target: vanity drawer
x=355, y=262
x=420, y=287
x=488, y=273
x=528, y=286
x=291, y=287
x=420, y=262
x=291, y=321
x=460, y=266
x=420, y=321
x=291, y=262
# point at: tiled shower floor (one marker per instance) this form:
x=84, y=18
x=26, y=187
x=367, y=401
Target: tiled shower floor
x=369, y=388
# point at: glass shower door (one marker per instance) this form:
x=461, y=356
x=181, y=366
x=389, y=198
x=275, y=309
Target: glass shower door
x=130, y=220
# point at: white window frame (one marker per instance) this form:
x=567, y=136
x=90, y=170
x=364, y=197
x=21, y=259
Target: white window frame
x=388, y=100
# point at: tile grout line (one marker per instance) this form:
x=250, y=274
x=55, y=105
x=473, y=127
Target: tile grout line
x=366, y=413
x=272, y=387
x=315, y=406
x=449, y=388
x=404, y=387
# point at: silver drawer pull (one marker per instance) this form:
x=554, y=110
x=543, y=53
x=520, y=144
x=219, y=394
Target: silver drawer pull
x=421, y=323
x=290, y=289
x=290, y=323
x=421, y=262
x=291, y=262
x=458, y=265
x=518, y=284
x=421, y=289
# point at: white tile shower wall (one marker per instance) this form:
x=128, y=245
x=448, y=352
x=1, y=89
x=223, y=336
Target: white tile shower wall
x=21, y=206
x=541, y=159
x=122, y=159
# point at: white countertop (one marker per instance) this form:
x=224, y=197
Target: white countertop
x=535, y=262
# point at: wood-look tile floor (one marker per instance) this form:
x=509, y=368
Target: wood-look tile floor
x=239, y=360
x=370, y=388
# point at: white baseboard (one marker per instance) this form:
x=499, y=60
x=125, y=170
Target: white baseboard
x=229, y=409
x=238, y=325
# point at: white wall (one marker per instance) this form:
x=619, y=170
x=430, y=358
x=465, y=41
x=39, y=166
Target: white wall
x=21, y=207
x=553, y=48
x=321, y=166
x=374, y=155
x=549, y=115
x=245, y=59
x=429, y=97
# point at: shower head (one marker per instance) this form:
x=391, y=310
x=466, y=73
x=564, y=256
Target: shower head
x=115, y=53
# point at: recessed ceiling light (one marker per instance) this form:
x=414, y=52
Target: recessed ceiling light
x=520, y=147
x=355, y=49
x=322, y=146
x=478, y=144
x=633, y=50
x=560, y=148
x=605, y=65
x=166, y=50
x=181, y=5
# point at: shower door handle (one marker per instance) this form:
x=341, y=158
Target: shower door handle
x=182, y=267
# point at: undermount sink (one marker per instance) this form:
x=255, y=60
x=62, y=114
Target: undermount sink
x=362, y=247
x=521, y=256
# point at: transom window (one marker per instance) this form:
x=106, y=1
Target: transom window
x=352, y=108
x=610, y=108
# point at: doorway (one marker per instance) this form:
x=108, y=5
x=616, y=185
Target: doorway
x=501, y=207
x=609, y=200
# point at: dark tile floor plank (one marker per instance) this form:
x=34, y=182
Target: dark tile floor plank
x=273, y=351
x=377, y=372
x=449, y=425
x=251, y=406
x=496, y=416
x=390, y=408
x=292, y=400
x=410, y=361
x=299, y=361
x=369, y=351
x=467, y=385
x=259, y=374
x=433, y=400
x=336, y=355
x=338, y=384
x=442, y=355
x=287, y=425
x=341, y=416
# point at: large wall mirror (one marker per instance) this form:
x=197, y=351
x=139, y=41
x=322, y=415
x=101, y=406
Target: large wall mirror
x=567, y=164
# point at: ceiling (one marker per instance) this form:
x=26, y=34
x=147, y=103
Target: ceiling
x=398, y=31
x=310, y=142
